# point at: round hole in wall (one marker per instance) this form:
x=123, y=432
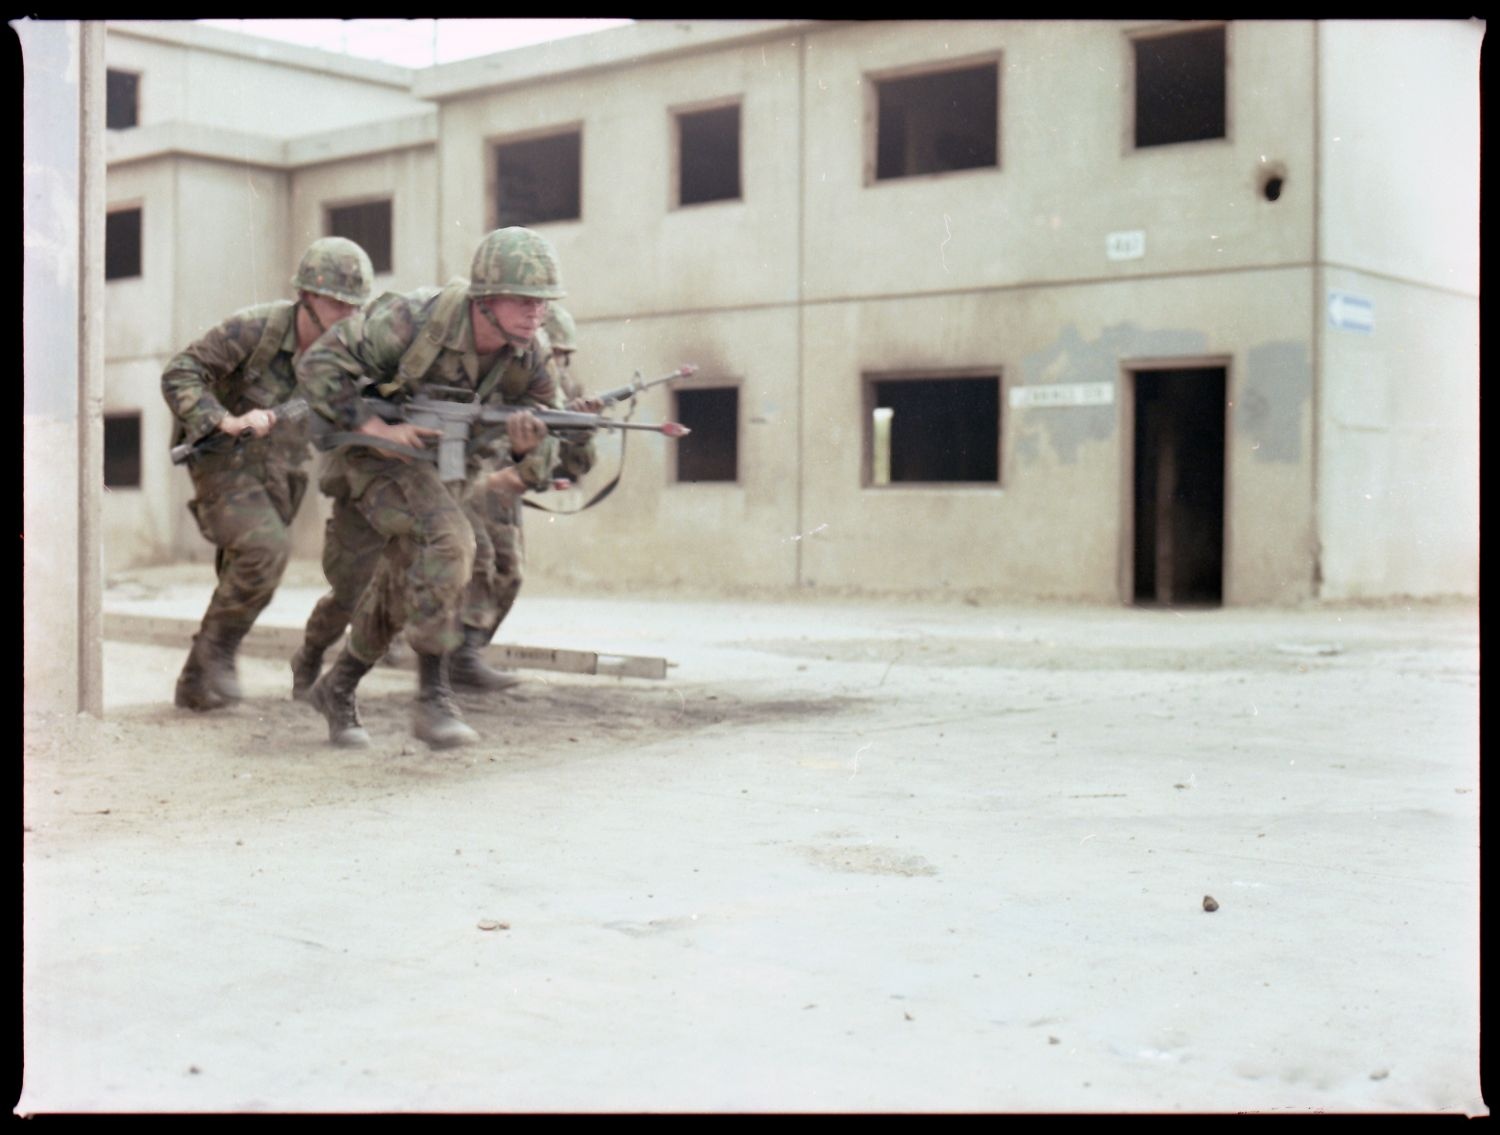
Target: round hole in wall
x=1272, y=181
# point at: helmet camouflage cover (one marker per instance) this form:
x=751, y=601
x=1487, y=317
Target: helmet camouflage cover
x=561, y=329
x=337, y=267
x=516, y=262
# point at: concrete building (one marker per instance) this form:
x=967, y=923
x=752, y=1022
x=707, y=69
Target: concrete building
x=1106, y=311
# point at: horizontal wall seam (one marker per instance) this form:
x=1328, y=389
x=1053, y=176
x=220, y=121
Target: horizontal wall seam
x=993, y=289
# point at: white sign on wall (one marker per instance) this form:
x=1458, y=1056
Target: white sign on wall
x=1125, y=245
x=1350, y=312
x=1064, y=394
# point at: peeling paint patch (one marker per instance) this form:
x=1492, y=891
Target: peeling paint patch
x=1071, y=359
x=1277, y=386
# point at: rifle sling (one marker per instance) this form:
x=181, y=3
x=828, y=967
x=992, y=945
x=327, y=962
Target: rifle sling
x=428, y=343
x=277, y=325
x=593, y=500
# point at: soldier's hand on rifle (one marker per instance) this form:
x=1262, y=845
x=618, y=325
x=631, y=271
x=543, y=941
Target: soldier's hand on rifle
x=257, y=422
x=508, y=481
x=525, y=431
x=586, y=404
x=402, y=433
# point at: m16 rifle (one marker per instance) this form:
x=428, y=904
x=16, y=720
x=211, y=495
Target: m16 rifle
x=455, y=413
x=290, y=412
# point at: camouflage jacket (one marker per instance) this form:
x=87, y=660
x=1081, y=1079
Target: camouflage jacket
x=575, y=452
x=212, y=377
x=362, y=358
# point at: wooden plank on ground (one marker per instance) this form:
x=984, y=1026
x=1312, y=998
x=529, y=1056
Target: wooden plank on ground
x=282, y=642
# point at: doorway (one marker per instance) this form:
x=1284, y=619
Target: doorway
x=1179, y=487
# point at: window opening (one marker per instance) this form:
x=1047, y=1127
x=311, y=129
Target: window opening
x=935, y=430
x=121, y=100
x=539, y=179
x=711, y=451
x=937, y=122
x=122, y=244
x=122, y=451
x=367, y=225
x=1179, y=87
x=708, y=155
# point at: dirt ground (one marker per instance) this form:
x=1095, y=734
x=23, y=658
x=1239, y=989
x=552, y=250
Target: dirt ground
x=846, y=857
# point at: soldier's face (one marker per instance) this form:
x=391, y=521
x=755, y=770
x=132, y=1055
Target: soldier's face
x=521, y=317
x=330, y=310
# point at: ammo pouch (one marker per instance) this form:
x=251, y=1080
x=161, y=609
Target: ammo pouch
x=286, y=494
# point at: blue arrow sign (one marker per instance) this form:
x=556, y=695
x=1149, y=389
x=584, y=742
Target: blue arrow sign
x=1350, y=312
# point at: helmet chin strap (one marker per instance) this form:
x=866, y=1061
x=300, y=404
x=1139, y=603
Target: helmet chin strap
x=313, y=315
x=495, y=323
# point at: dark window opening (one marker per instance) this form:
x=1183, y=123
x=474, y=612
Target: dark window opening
x=121, y=100
x=122, y=244
x=367, y=225
x=538, y=180
x=1179, y=486
x=711, y=451
x=1179, y=87
x=122, y=451
x=936, y=123
x=708, y=153
x=936, y=429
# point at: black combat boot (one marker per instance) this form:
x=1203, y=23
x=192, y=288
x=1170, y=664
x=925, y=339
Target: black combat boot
x=467, y=669
x=332, y=695
x=437, y=720
x=194, y=690
x=219, y=646
x=307, y=664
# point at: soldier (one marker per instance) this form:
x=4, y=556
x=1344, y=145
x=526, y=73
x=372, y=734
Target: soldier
x=477, y=335
x=247, y=494
x=494, y=586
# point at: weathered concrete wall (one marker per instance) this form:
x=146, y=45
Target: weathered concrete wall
x=1067, y=175
x=1399, y=478
x=740, y=535
x=196, y=74
x=1399, y=111
x=140, y=309
x=1056, y=526
x=815, y=279
x=63, y=352
x=632, y=252
x=407, y=176
x=227, y=248
x=1399, y=440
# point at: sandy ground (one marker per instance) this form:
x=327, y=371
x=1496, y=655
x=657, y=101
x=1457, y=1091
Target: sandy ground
x=846, y=858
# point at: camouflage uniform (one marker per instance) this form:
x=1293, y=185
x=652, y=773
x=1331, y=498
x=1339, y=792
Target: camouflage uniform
x=428, y=538
x=399, y=512
x=497, y=581
x=245, y=493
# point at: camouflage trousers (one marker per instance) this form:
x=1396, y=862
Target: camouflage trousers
x=243, y=503
x=351, y=552
x=498, y=560
x=426, y=555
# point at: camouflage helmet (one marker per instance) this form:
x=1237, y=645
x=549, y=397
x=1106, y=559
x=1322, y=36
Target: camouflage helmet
x=335, y=267
x=516, y=262
x=561, y=329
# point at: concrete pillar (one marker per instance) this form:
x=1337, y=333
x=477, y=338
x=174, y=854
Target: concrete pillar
x=63, y=360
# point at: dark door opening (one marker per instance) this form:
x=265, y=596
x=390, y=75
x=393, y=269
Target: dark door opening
x=1179, y=487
